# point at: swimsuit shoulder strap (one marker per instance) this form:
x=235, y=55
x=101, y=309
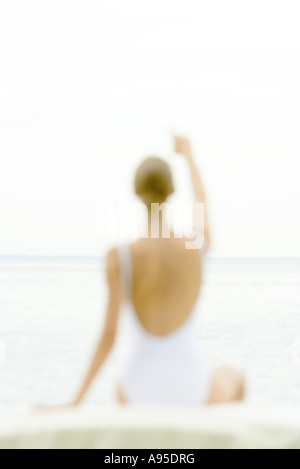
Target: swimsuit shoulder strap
x=125, y=268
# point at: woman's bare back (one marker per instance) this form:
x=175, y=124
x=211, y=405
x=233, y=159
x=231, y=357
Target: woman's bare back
x=166, y=282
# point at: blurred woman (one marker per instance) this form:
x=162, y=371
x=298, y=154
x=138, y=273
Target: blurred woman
x=159, y=280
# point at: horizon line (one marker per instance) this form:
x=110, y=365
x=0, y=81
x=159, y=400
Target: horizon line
x=10, y=257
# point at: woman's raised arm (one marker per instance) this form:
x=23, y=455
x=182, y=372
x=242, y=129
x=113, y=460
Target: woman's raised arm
x=182, y=145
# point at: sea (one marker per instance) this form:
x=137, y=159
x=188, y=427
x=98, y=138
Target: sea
x=52, y=312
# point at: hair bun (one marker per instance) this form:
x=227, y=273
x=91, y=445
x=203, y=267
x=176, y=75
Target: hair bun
x=153, y=181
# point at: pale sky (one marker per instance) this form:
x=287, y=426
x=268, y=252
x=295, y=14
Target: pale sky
x=88, y=88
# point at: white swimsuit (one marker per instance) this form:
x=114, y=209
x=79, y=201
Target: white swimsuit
x=168, y=369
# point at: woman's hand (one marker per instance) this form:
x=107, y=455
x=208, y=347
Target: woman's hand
x=182, y=145
x=54, y=408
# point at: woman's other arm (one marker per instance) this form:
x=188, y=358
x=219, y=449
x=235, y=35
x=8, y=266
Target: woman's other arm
x=109, y=333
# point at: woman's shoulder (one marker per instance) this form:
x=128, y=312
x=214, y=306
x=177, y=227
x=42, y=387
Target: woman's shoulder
x=112, y=261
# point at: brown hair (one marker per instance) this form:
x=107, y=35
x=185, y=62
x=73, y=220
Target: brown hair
x=153, y=181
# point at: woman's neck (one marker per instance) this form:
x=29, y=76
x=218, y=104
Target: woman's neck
x=158, y=222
